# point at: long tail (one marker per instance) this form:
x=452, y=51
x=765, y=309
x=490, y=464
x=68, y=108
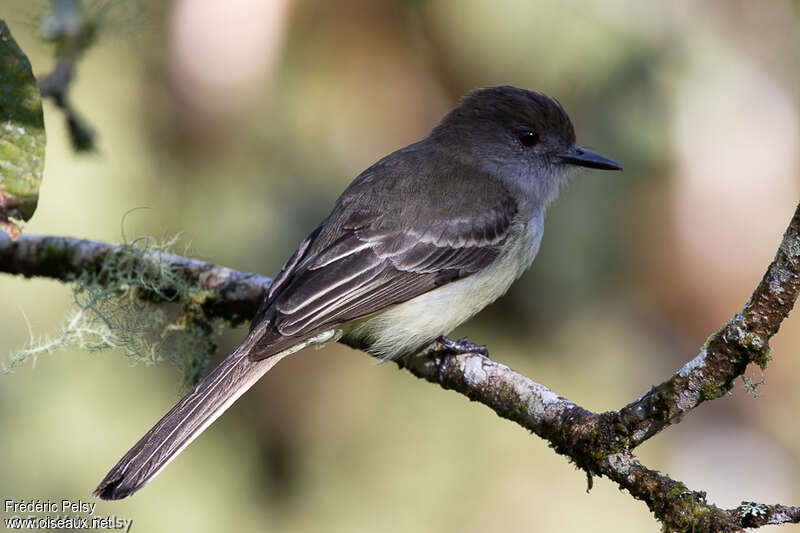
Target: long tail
x=184, y=422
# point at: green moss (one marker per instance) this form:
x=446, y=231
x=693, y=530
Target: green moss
x=54, y=257
x=713, y=391
x=763, y=358
x=519, y=413
x=714, y=337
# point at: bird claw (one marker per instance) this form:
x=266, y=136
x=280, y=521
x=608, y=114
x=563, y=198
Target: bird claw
x=462, y=346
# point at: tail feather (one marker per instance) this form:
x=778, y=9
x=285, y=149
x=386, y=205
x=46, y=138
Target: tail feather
x=188, y=419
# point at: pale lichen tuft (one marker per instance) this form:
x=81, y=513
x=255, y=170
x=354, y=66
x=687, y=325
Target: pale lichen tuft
x=133, y=301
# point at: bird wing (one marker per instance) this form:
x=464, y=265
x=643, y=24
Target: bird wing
x=370, y=262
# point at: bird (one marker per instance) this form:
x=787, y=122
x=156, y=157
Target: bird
x=417, y=244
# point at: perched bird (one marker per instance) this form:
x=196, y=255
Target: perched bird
x=417, y=244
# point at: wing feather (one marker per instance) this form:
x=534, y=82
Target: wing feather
x=367, y=262
x=322, y=283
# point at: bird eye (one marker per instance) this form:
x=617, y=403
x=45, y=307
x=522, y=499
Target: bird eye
x=528, y=138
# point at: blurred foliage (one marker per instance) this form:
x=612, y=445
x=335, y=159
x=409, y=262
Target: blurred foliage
x=72, y=27
x=22, y=137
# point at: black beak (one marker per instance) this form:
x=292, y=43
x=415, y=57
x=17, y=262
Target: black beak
x=582, y=157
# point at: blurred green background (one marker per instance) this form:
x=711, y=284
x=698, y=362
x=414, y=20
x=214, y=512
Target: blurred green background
x=240, y=122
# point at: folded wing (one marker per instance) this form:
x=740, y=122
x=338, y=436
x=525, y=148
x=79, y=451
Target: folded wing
x=367, y=269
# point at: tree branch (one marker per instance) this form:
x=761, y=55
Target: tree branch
x=66, y=258
x=599, y=443
x=726, y=354
x=73, y=29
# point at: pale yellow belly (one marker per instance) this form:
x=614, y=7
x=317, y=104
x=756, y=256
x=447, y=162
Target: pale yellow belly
x=417, y=322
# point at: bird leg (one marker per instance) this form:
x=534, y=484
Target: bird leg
x=461, y=346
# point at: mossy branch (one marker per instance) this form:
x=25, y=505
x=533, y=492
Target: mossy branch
x=599, y=443
x=115, y=288
x=235, y=295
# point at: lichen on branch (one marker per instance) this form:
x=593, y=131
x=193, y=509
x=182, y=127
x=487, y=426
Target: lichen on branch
x=133, y=297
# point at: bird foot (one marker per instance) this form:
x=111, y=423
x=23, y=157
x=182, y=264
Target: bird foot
x=462, y=346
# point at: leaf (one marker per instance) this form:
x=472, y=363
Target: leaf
x=22, y=136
